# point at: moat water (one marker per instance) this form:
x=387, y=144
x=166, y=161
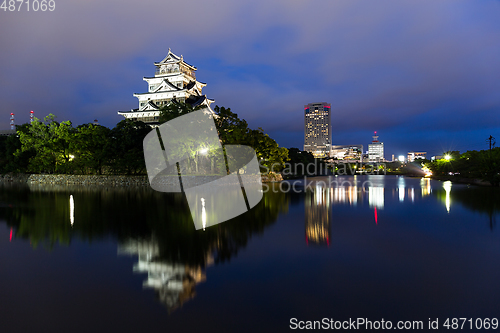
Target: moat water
x=94, y=259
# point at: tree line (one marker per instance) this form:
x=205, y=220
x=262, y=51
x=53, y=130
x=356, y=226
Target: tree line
x=483, y=164
x=49, y=146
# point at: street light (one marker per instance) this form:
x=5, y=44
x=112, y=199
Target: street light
x=447, y=157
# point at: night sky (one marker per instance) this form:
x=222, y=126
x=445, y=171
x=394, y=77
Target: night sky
x=424, y=74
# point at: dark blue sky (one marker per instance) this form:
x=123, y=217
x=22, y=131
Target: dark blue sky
x=424, y=74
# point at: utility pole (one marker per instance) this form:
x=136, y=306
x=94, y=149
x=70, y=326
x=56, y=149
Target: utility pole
x=492, y=141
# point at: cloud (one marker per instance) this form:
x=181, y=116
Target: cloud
x=423, y=66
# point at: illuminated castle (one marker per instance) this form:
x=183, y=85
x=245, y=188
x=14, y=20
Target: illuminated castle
x=174, y=80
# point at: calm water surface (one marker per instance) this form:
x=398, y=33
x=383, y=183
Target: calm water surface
x=80, y=259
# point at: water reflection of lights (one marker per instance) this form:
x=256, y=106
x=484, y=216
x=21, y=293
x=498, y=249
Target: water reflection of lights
x=317, y=216
x=71, y=210
x=352, y=194
x=401, y=189
x=425, y=186
x=203, y=214
x=447, y=188
x=376, y=197
x=345, y=194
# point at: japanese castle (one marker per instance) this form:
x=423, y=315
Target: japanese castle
x=174, y=80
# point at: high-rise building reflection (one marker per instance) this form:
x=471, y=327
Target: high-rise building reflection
x=317, y=216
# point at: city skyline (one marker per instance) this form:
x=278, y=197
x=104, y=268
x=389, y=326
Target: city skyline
x=422, y=74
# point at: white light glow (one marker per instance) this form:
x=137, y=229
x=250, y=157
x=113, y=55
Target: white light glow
x=203, y=151
x=447, y=188
x=376, y=197
x=401, y=158
x=71, y=210
x=203, y=214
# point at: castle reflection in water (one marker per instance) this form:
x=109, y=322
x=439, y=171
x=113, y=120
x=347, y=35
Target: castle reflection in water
x=174, y=283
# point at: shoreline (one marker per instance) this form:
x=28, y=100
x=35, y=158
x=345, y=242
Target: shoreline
x=102, y=180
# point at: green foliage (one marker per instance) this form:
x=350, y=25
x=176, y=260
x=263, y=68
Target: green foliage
x=126, y=147
x=49, y=146
x=91, y=148
x=299, y=162
x=175, y=109
x=484, y=164
x=51, y=142
x=10, y=161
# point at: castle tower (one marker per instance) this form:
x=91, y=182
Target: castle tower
x=12, y=126
x=174, y=79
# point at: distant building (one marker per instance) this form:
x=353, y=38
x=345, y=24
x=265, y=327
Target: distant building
x=436, y=157
x=347, y=152
x=174, y=80
x=317, y=133
x=412, y=156
x=7, y=132
x=376, y=150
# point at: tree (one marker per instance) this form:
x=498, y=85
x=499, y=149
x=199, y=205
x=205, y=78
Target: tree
x=175, y=109
x=51, y=141
x=126, y=147
x=9, y=160
x=91, y=147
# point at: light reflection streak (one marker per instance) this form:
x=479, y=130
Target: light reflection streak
x=447, y=188
x=317, y=215
x=425, y=186
x=71, y=210
x=401, y=189
x=376, y=197
x=203, y=214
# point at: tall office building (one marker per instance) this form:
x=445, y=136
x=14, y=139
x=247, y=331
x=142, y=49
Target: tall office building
x=317, y=129
x=376, y=150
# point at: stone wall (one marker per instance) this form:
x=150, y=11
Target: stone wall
x=108, y=180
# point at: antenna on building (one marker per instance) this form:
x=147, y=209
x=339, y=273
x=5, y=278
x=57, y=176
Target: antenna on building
x=32, y=116
x=12, y=126
x=375, y=137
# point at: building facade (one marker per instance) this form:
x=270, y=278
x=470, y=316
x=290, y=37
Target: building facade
x=412, y=156
x=317, y=129
x=376, y=150
x=347, y=152
x=174, y=80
